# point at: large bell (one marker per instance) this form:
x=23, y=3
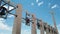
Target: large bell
x=2, y=11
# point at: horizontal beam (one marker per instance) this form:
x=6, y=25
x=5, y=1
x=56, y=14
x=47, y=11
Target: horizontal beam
x=52, y=29
x=9, y=3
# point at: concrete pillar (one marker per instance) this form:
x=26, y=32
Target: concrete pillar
x=51, y=30
x=17, y=22
x=47, y=31
x=42, y=27
x=52, y=13
x=33, y=30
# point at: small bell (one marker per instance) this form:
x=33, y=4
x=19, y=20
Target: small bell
x=27, y=21
x=38, y=25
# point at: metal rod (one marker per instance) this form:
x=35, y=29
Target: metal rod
x=11, y=10
x=4, y=4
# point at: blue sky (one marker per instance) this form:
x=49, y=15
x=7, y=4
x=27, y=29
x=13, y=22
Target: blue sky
x=41, y=9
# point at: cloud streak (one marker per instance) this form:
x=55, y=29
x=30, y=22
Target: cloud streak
x=37, y=1
x=54, y=6
x=11, y=16
x=32, y=4
x=4, y=26
x=26, y=31
x=40, y=3
x=58, y=25
x=59, y=31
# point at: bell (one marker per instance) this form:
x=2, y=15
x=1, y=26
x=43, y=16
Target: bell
x=2, y=11
x=44, y=27
x=38, y=25
x=27, y=21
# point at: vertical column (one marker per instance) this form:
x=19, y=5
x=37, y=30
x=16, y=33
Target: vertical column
x=42, y=27
x=33, y=31
x=17, y=22
x=53, y=32
x=47, y=31
x=52, y=13
x=50, y=30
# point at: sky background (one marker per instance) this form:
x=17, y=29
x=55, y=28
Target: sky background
x=41, y=9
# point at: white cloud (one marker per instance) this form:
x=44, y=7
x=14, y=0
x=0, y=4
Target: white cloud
x=4, y=26
x=1, y=19
x=32, y=3
x=37, y=0
x=10, y=16
x=1, y=33
x=59, y=31
x=40, y=3
x=54, y=6
x=5, y=32
x=25, y=31
x=49, y=4
x=58, y=25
